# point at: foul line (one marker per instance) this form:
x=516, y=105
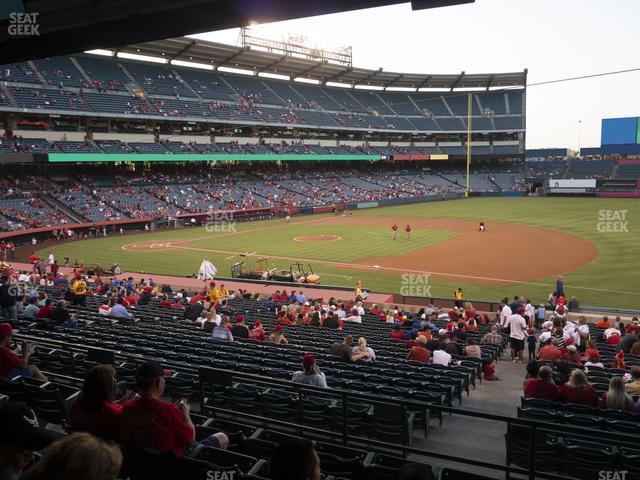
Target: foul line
x=405, y=270
x=259, y=229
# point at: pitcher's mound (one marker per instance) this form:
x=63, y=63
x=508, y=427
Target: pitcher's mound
x=318, y=238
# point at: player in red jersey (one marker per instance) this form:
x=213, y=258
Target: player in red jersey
x=408, y=231
x=394, y=229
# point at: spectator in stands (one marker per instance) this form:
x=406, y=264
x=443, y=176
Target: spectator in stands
x=342, y=350
x=604, y=323
x=8, y=299
x=533, y=367
x=574, y=304
x=396, y=332
x=20, y=436
x=96, y=410
x=616, y=398
x=45, y=311
x=517, y=332
x=209, y=318
x=572, y=355
x=119, y=310
x=550, y=351
x=257, y=332
x=453, y=347
x=472, y=349
x=80, y=456
x=31, y=309
x=363, y=353
x=105, y=308
x=635, y=348
x=222, y=332
x=627, y=342
x=295, y=459
x=441, y=357
x=578, y=390
x=148, y=422
x=11, y=364
x=540, y=316
x=193, y=311
x=492, y=337
x=331, y=321
x=633, y=388
x=240, y=330
x=419, y=353
x=277, y=336
x=532, y=341
x=489, y=371
x=79, y=288
x=594, y=361
x=310, y=374
x=541, y=387
x=591, y=350
x=61, y=316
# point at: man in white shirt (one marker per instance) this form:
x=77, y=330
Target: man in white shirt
x=340, y=313
x=582, y=333
x=441, y=357
x=354, y=317
x=518, y=327
x=530, y=311
x=505, y=313
x=51, y=260
x=359, y=308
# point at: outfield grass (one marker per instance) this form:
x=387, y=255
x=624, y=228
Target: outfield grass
x=609, y=280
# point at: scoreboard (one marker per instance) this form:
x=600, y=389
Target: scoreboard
x=620, y=131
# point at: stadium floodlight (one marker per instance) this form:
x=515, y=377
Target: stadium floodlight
x=144, y=58
x=101, y=51
x=241, y=71
x=276, y=76
x=183, y=63
x=307, y=80
x=339, y=84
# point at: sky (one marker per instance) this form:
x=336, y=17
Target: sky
x=553, y=39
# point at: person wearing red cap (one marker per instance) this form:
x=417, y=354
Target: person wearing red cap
x=310, y=374
x=11, y=364
x=257, y=332
x=240, y=330
x=277, y=336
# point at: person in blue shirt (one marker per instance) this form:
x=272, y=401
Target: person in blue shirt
x=119, y=310
x=300, y=298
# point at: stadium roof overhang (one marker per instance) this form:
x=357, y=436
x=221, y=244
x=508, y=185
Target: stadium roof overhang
x=245, y=58
x=68, y=26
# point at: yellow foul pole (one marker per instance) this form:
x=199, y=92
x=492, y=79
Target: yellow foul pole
x=469, y=109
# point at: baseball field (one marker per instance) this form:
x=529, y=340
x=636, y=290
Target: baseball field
x=593, y=243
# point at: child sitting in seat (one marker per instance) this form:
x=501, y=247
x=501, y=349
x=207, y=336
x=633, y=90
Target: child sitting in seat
x=489, y=371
